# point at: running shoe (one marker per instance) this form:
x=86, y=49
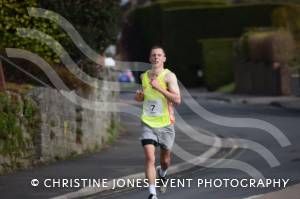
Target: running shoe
x=162, y=181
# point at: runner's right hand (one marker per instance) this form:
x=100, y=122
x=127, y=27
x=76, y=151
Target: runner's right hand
x=139, y=96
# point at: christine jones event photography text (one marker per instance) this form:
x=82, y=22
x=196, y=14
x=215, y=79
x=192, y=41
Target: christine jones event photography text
x=171, y=182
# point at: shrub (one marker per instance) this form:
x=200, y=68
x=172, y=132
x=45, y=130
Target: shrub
x=218, y=60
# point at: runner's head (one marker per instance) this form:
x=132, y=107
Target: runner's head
x=157, y=56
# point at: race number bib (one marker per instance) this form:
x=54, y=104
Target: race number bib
x=153, y=107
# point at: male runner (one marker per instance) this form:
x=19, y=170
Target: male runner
x=160, y=93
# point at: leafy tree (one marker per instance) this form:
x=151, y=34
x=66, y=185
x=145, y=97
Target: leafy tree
x=95, y=20
x=14, y=15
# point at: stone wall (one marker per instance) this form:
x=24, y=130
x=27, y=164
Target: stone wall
x=64, y=129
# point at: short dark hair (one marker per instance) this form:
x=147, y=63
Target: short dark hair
x=157, y=47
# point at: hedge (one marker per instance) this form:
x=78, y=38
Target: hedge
x=179, y=29
x=218, y=60
x=180, y=26
x=146, y=22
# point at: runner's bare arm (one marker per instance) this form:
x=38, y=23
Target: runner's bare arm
x=173, y=92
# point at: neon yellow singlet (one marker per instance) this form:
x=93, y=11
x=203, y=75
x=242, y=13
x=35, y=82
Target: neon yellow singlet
x=157, y=111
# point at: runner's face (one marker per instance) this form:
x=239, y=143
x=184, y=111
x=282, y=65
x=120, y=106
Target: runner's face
x=157, y=57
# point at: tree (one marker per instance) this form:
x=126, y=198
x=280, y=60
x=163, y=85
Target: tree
x=95, y=20
x=14, y=15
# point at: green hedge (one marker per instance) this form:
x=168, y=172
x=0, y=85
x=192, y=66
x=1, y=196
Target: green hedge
x=218, y=60
x=141, y=29
x=179, y=29
x=186, y=26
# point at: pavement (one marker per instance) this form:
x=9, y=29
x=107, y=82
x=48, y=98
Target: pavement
x=291, y=192
x=290, y=102
x=124, y=159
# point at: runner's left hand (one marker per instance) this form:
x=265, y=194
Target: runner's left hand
x=155, y=84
